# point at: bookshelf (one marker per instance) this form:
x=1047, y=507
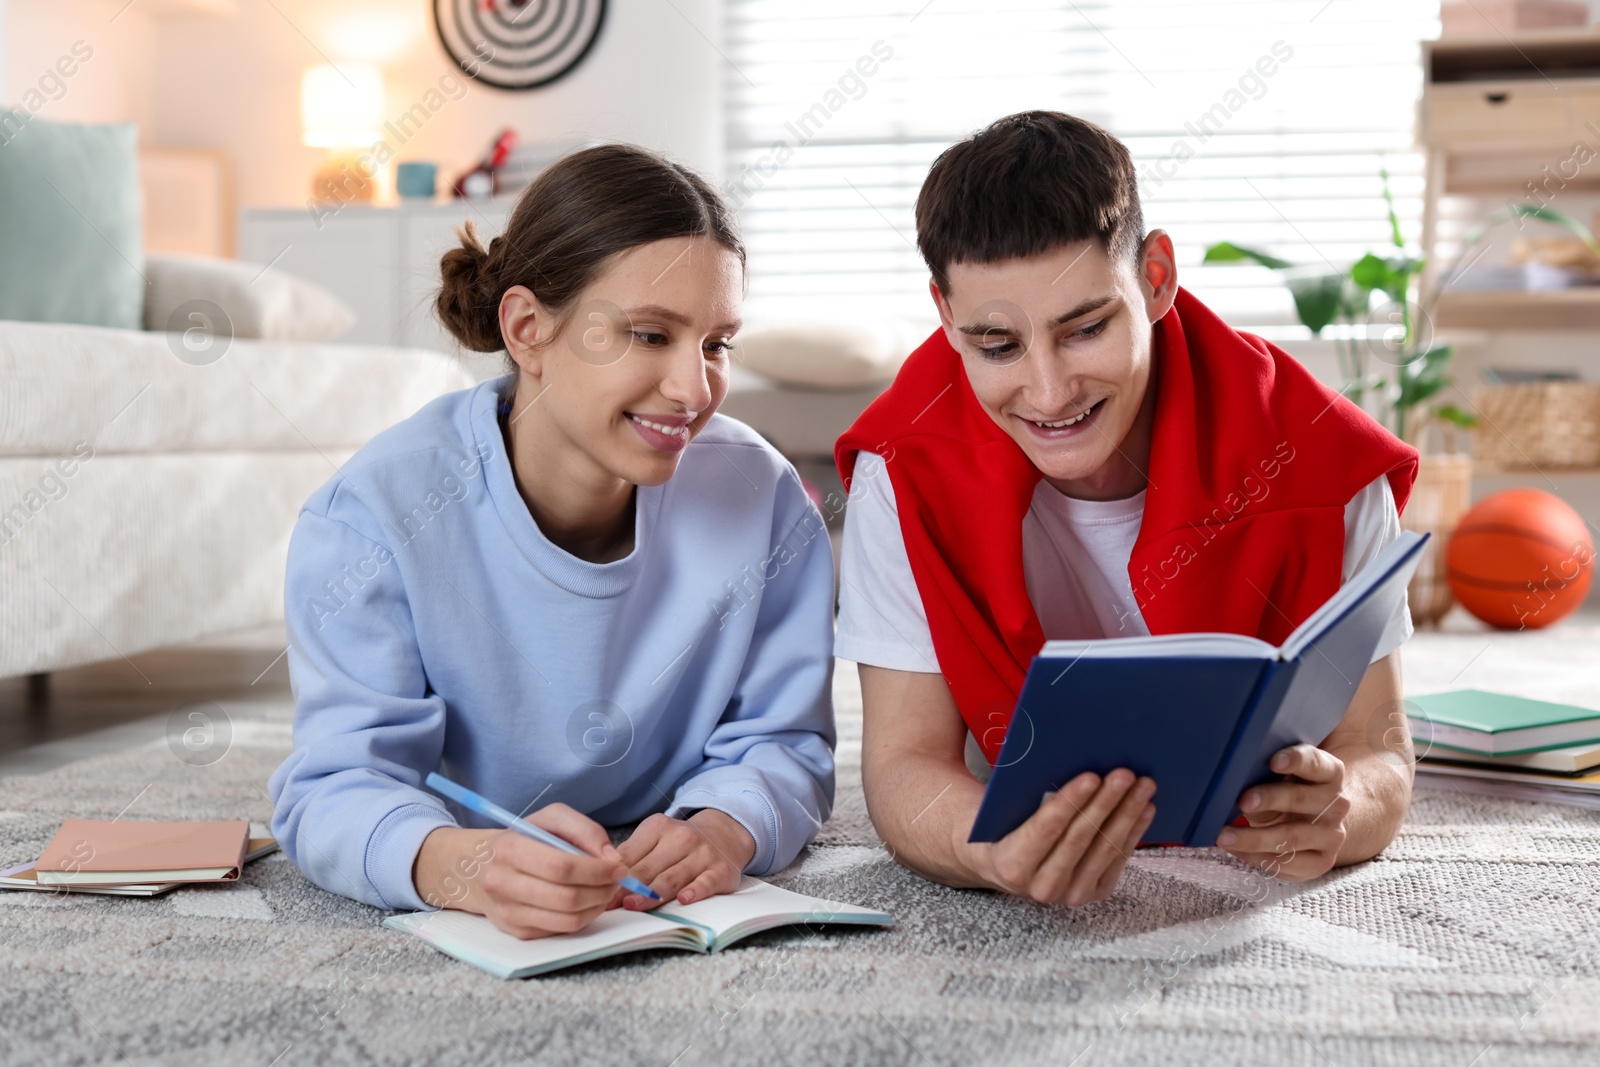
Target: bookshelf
x=1497, y=113
x=1561, y=309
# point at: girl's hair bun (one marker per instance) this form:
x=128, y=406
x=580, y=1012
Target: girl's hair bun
x=469, y=296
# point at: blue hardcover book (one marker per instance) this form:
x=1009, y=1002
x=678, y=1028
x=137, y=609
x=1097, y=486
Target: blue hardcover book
x=1202, y=714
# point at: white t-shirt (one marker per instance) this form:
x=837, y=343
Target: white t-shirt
x=1074, y=556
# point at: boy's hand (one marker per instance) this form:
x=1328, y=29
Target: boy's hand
x=1297, y=825
x=1072, y=850
x=685, y=859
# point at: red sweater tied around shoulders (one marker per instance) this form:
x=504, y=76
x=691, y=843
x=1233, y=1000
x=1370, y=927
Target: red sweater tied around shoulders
x=1252, y=462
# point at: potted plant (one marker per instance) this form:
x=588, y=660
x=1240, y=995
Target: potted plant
x=1405, y=389
x=1407, y=398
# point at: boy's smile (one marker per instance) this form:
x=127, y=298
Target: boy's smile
x=1057, y=350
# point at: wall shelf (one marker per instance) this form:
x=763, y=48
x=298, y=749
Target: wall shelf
x=1480, y=469
x=1512, y=309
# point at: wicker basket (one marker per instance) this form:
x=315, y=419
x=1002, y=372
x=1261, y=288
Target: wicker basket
x=1440, y=496
x=1538, y=424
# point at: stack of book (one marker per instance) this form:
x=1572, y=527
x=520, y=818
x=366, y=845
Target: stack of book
x=138, y=859
x=1500, y=745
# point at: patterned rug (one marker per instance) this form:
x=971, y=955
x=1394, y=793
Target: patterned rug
x=1472, y=941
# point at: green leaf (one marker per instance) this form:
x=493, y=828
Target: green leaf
x=1436, y=357
x=1317, y=298
x=1370, y=272
x=1391, y=276
x=1388, y=201
x=1414, y=391
x=1228, y=252
x=1422, y=376
x=1428, y=364
x=1401, y=270
x=1354, y=301
x=1451, y=413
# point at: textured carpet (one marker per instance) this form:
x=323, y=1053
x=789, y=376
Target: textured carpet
x=1473, y=941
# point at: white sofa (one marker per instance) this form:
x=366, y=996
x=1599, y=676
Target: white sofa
x=147, y=501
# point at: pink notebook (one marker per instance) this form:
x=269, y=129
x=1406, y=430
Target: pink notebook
x=107, y=852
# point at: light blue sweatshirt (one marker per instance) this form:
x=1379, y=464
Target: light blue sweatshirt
x=432, y=626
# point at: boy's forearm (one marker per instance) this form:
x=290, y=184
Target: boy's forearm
x=923, y=808
x=920, y=795
x=1377, y=774
x=1380, y=795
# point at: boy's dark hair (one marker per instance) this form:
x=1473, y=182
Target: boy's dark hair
x=1028, y=183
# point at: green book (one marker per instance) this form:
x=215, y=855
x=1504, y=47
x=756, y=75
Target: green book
x=1497, y=724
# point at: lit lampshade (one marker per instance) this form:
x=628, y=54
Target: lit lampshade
x=341, y=106
x=341, y=109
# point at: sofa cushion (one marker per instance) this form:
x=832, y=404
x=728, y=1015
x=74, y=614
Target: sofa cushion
x=800, y=423
x=828, y=355
x=256, y=301
x=69, y=225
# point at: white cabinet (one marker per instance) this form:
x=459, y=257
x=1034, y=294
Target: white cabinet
x=381, y=260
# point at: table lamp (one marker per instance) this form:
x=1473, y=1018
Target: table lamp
x=341, y=109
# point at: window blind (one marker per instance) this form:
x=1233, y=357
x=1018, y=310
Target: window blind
x=1264, y=122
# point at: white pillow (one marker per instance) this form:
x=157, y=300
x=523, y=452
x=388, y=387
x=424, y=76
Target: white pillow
x=269, y=305
x=828, y=355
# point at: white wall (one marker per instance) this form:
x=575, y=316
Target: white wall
x=233, y=83
x=112, y=85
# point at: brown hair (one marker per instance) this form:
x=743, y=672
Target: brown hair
x=1026, y=184
x=580, y=212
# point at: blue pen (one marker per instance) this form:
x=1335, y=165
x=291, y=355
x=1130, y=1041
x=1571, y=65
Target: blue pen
x=483, y=806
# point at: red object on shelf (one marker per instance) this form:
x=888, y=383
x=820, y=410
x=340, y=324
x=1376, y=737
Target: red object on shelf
x=487, y=172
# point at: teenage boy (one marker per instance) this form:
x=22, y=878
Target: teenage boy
x=1084, y=450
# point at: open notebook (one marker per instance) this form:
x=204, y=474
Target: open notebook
x=704, y=926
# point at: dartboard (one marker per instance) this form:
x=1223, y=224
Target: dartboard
x=518, y=44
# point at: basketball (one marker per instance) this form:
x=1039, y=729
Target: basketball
x=1520, y=560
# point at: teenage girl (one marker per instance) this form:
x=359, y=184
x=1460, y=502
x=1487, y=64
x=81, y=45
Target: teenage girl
x=575, y=589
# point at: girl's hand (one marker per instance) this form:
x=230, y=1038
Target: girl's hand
x=524, y=887
x=686, y=859
x=1297, y=825
x=533, y=890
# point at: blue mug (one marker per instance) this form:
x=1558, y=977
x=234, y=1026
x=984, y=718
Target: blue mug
x=415, y=180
